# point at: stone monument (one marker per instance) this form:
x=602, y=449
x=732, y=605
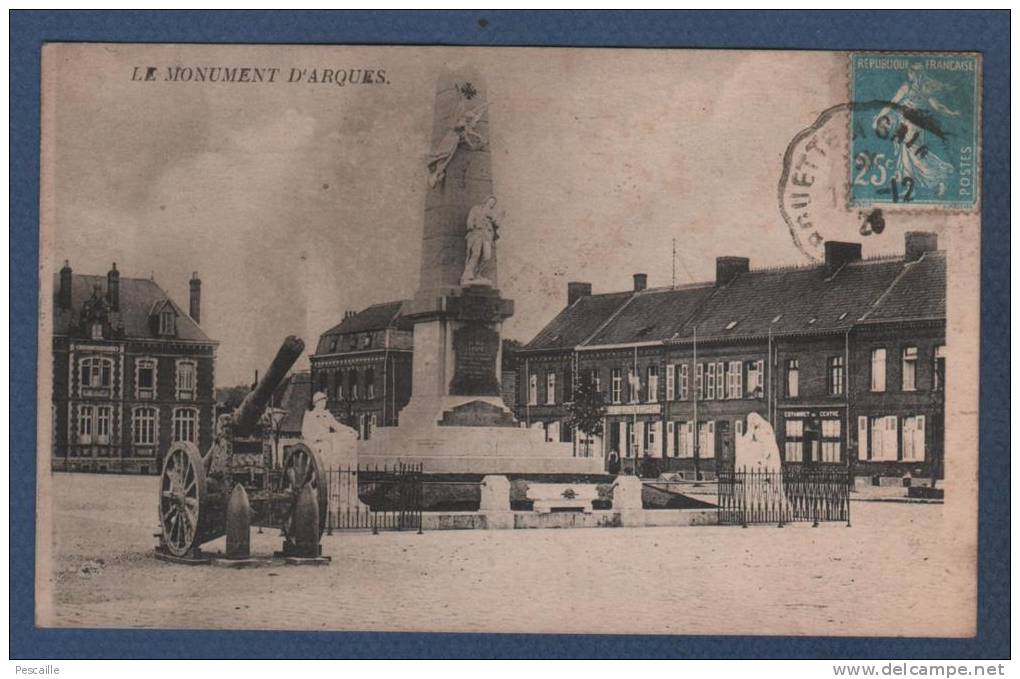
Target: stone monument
x=456, y=420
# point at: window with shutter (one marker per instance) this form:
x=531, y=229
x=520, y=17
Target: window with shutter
x=670, y=382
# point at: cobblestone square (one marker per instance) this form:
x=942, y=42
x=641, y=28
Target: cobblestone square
x=892, y=573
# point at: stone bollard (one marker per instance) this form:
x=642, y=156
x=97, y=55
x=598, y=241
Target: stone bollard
x=495, y=504
x=627, y=501
x=306, y=525
x=238, y=524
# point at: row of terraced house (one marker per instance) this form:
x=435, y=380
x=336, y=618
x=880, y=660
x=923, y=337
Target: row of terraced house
x=846, y=360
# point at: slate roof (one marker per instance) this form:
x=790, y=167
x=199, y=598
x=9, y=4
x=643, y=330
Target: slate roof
x=294, y=396
x=375, y=317
x=138, y=298
x=919, y=293
x=577, y=322
x=654, y=315
x=791, y=300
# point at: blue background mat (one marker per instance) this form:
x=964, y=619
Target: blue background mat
x=986, y=32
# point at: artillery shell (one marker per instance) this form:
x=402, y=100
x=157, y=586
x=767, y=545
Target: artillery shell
x=306, y=523
x=238, y=524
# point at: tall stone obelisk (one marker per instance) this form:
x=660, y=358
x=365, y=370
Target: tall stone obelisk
x=458, y=310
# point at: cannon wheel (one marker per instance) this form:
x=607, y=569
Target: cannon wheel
x=182, y=498
x=304, y=466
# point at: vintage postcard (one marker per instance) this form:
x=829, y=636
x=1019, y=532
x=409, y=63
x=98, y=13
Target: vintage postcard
x=437, y=339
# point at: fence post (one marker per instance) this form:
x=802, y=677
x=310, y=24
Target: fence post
x=743, y=498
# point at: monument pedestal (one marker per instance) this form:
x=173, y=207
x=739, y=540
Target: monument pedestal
x=456, y=421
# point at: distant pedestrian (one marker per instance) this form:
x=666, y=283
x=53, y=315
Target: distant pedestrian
x=614, y=463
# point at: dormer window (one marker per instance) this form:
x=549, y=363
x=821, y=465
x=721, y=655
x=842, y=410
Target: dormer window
x=167, y=325
x=96, y=331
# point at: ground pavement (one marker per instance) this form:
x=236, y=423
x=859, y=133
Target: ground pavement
x=891, y=573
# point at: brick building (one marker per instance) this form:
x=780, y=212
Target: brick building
x=846, y=359
x=132, y=373
x=363, y=365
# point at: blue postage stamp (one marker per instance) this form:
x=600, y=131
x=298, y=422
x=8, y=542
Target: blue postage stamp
x=915, y=127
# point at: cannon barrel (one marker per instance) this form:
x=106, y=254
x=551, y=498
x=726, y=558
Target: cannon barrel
x=248, y=413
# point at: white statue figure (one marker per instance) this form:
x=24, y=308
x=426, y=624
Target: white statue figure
x=337, y=444
x=914, y=159
x=482, y=233
x=334, y=441
x=757, y=449
x=462, y=132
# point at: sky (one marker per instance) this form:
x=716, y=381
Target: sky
x=297, y=201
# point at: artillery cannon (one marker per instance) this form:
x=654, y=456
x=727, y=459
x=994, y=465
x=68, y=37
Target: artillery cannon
x=194, y=489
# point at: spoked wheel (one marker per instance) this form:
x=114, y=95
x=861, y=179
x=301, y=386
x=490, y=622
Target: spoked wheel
x=303, y=467
x=182, y=498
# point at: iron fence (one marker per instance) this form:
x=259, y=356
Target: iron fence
x=750, y=496
x=367, y=497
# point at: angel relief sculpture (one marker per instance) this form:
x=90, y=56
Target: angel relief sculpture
x=463, y=131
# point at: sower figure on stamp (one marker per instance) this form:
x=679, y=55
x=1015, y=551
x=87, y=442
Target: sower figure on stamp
x=914, y=159
x=482, y=233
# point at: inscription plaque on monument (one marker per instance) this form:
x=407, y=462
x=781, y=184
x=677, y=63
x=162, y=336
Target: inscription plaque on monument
x=475, y=347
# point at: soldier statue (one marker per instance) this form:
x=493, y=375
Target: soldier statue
x=482, y=233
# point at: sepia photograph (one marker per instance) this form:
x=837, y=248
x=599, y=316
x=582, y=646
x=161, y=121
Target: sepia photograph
x=540, y=340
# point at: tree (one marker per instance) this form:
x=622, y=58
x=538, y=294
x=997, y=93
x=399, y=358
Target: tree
x=509, y=359
x=229, y=398
x=587, y=411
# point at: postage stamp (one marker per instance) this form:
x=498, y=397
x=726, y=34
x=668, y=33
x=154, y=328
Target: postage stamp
x=914, y=138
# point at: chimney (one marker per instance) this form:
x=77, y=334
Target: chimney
x=576, y=291
x=195, y=306
x=919, y=242
x=349, y=313
x=113, y=287
x=64, y=293
x=640, y=281
x=838, y=253
x=728, y=268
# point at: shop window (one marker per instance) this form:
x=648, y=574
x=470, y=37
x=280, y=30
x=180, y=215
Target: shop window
x=831, y=440
x=793, y=449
